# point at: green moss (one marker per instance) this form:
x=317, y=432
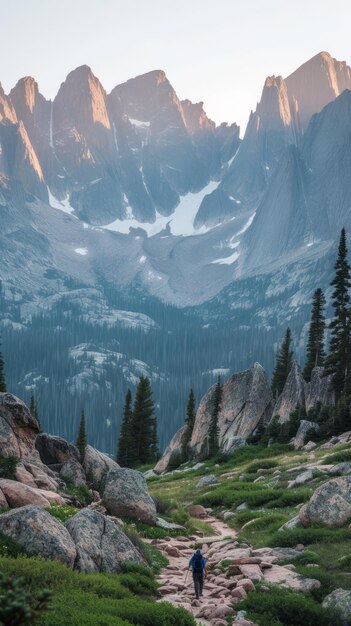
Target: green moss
x=8, y=465
x=8, y=547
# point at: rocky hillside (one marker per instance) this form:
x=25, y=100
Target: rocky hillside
x=247, y=405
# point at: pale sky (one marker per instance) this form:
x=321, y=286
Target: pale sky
x=217, y=51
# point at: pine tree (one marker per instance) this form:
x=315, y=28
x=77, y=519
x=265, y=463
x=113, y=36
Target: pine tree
x=33, y=407
x=125, y=442
x=283, y=364
x=338, y=360
x=315, y=344
x=189, y=421
x=2, y=375
x=144, y=426
x=213, y=431
x=82, y=437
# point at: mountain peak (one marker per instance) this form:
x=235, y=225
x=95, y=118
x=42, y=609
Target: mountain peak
x=81, y=85
x=27, y=89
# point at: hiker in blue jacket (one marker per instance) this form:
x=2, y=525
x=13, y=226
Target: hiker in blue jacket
x=198, y=565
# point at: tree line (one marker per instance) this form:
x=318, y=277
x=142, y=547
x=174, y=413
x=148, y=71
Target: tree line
x=336, y=362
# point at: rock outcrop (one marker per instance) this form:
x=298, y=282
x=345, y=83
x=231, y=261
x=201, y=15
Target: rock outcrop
x=172, y=455
x=304, y=427
x=246, y=402
x=292, y=396
x=73, y=472
x=39, y=534
x=330, y=504
x=96, y=466
x=17, y=495
x=101, y=544
x=55, y=450
x=297, y=392
x=339, y=599
x=18, y=428
x=126, y=495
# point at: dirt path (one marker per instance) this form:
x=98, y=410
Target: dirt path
x=223, y=589
x=218, y=596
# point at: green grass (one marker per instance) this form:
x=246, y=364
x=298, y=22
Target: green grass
x=8, y=547
x=95, y=599
x=231, y=494
x=259, y=465
x=308, y=536
x=62, y=512
x=342, y=456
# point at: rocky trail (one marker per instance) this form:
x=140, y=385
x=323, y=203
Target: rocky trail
x=225, y=586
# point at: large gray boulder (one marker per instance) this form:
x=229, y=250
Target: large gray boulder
x=292, y=396
x=55, y=450
x=172, y=454
x=39, y=533
x=73, y=472
x=96, y=465
x=100, y=543
x=330, y=504
x=304, y=427
x=18, y=428
x=126, y=495
x=246, y=402
x=340, y=599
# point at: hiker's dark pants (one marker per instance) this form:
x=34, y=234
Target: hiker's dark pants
x=198, y=583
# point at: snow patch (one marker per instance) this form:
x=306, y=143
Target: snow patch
x=142, y=259
x=82, y=251
x=61, y=205
x=181, y=222
x=228, y=260
x=139, y=123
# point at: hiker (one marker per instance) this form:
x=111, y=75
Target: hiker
x=198, y=564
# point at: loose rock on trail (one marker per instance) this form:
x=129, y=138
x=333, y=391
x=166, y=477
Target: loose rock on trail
x=222, y=589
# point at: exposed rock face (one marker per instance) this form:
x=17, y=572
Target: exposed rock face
x=247, y=401
x=318, y=389
x=304, y=428
x=73, y=472
x=293, y=394
x=96, y=466
x=339, y=599
x=280, y=120
x=126, y=495
x=39, y=533
x=18, y=428
x=172, y=454
x=330, y=504
x=18, y=494
x=100, y=543
x=55, y=450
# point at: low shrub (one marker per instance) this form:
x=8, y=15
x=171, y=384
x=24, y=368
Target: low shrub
x=62, y=512
x=343, y=456
x=307, y=536
x=18, y=606
x=282, y=607
x=84, y=609
x=10, y=548
x=163, y=506
x=152, y=556
x=267, y=522
x=8, y=465
x=259, y=465
x=139, y=584
x=180, y=516
x=234, y=493
x=82, y=493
